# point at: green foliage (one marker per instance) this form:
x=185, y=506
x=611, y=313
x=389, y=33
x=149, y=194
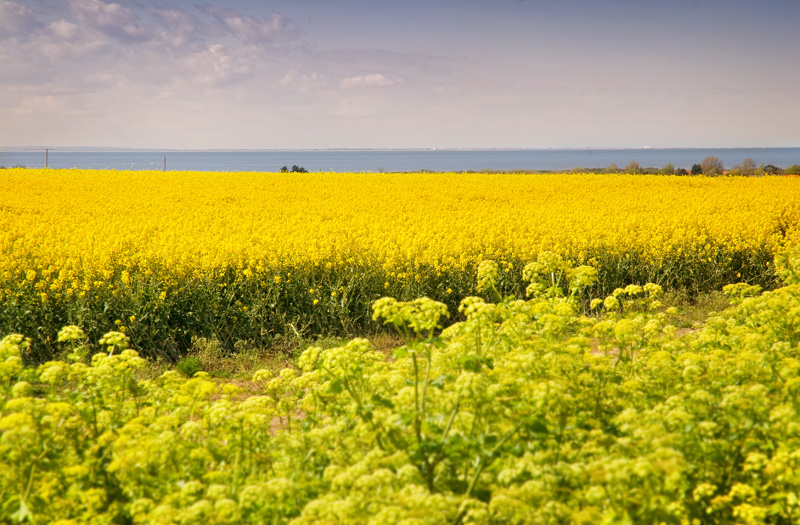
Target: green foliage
x=295, y=169
x=189, y=366
x=787, y=264
x=525, y=411
x=161, y=316
x=633, y=167
x=794, y=169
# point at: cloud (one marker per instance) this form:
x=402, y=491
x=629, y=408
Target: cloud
x=112, y=19
x=218, y=65
x=302, y=82
x=176, y=28
x=369, y=81
x=16, y=19
x=88, y=71
x=273, y=29
x=64, y=30
x=64, y=41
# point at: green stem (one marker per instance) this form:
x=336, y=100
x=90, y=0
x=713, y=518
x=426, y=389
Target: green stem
x=416, y=382
x=450, y=422
x=482, y=458
x=427, y=378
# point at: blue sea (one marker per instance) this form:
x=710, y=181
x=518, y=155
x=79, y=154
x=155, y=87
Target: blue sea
x=389, y=160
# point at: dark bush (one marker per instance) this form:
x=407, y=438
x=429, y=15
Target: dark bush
x=189, y=366
x=794, y=169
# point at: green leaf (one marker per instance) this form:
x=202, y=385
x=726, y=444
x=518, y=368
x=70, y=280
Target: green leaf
x=335, y=387
x=437, y=342
x=23, y=513
x=537, y=426
x=381, y=401
x=484, y=495
x=365, y=412
x=400, y=352
x=474, y=363
x=439, y=381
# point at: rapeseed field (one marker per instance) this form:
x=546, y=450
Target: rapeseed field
x=164, y=256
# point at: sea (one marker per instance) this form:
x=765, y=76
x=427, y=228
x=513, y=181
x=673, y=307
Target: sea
x=392, y=160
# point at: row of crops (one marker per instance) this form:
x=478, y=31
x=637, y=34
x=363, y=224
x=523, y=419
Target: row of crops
x=524, y=412
x=164, y=257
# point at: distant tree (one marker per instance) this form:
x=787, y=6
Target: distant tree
x=611, y=168
x=298, y=169
x=681, y=171
x=284, y=169
x=697, y=169
x=712, y=167
x=633, y=167
x=668, y=169
x=794, y=169
x=771, y=169
x=748, y=167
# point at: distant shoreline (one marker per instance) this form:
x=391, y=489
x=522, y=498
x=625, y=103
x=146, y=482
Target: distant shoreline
x=395, y=160
x=103, y=149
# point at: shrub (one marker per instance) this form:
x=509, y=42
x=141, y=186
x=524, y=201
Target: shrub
x=189, y=366
x=794, y=169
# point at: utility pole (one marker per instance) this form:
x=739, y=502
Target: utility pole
x=46, y=157
x=165, y=163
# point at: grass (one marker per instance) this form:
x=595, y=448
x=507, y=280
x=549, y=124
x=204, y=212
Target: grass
x=693, y=311
x=240, y=364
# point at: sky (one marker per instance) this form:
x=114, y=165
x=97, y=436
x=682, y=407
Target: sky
x=319, y=74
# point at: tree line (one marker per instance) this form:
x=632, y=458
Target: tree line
x=710, y=167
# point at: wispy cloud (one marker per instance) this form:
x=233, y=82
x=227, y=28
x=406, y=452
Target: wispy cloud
x=113, y=19
x=218, y=65
x=369, y=81
x=273, y=29
x=86, y=63
x=16, y=19
x=86, y=37
x=177, y=28
x=233, y=73
x=302, y=82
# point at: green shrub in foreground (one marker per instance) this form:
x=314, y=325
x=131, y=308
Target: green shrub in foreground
x=526, y=412
x=189, y=366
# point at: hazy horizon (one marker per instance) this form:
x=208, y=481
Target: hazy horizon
x=89, y=149
x=380, y=74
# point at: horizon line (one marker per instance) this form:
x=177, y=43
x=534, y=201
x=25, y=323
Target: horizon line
x=20, y=149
